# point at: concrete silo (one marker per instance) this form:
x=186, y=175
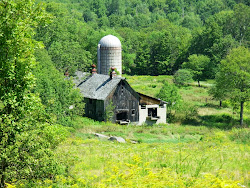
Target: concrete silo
x=109, y=54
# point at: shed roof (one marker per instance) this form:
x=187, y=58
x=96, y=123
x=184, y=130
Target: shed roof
x=148, y=100
x=97, y=86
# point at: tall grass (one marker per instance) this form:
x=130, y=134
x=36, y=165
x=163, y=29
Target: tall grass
x=177, y=156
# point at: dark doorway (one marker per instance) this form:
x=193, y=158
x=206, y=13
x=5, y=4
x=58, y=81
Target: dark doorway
x=122, y=116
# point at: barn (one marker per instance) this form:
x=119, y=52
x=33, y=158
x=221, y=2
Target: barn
x=106, y=92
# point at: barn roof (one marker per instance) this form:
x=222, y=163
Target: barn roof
x=96, y=86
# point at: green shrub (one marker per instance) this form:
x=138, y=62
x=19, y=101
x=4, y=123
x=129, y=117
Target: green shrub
x=186, y=111
x=182, y=77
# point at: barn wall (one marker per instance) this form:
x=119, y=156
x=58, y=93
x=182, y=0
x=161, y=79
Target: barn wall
x=125, y=100
x=94, y=109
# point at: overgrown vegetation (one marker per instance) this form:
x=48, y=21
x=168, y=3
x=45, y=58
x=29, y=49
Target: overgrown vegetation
x=202, y=145
x=173, y=155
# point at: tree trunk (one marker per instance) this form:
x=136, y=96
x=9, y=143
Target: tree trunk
x=241, y=112
x=199, y=83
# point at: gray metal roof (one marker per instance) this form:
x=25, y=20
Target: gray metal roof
x=110, y=41
x=97, y=86
x=80, y=77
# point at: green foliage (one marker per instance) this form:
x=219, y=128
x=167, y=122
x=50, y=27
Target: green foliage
x=182, y=77
x=170, y=94
x=32, y=156
x=186, y=111
x=65, y=39
x=198, y=65
x=173, y=155
x=157, y=37
x=25, y=150
x=233, y=78
x=109, y=111
x=56, y=92
x=240, y=135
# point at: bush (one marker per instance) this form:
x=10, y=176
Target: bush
x=182, y=77
x=34, y=157
x=186, y=111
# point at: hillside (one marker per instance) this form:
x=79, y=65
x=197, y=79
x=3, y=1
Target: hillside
x=206, y=154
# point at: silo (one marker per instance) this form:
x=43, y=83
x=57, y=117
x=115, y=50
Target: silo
x=109, y=54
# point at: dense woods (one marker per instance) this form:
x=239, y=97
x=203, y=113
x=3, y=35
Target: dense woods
x=194, y=40
x=154, y=34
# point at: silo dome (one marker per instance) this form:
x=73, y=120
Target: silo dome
x=110, y=41
x=109, y=54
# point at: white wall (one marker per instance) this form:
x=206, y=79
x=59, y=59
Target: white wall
x=161, y=112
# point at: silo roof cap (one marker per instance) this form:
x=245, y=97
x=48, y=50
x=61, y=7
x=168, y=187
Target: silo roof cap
x=110, y=41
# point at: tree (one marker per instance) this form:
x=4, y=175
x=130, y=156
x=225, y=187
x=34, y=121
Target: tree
x=22, y=143
x=182, y=77
x=57, y=93
x=65, y=40
x=233, y=78
x=169, y=93
x=240, y=24
x=198, y=65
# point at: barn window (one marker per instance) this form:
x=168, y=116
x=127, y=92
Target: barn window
x=152, y=112
x=122, y=89
x=133, y=112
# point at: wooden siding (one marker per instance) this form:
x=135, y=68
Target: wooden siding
x=126, y=101
x=147, y=100
x=94, y=109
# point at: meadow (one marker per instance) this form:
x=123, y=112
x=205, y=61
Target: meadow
x=209, y=150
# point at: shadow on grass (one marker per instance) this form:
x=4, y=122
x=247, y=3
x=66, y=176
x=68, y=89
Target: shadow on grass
x=221, y=121
x=211, y=105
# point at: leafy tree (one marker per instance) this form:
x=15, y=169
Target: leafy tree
x=191, y=21
x=221, y=48
x=240, y=24
x=167, y=46
x=198, y=65
x=65, y=40
x=182, y=77
x=56, y=92
x=25, y=150
x=233, y=78
x=169, y=93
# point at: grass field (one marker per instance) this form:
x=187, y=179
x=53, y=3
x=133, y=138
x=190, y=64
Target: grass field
x=164, y=156
x=207, y=151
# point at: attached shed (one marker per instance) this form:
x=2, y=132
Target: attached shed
x=151, y=110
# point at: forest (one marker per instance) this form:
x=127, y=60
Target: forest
x=170, y=50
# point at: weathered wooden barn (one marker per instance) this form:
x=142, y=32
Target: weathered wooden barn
x=100, y=91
